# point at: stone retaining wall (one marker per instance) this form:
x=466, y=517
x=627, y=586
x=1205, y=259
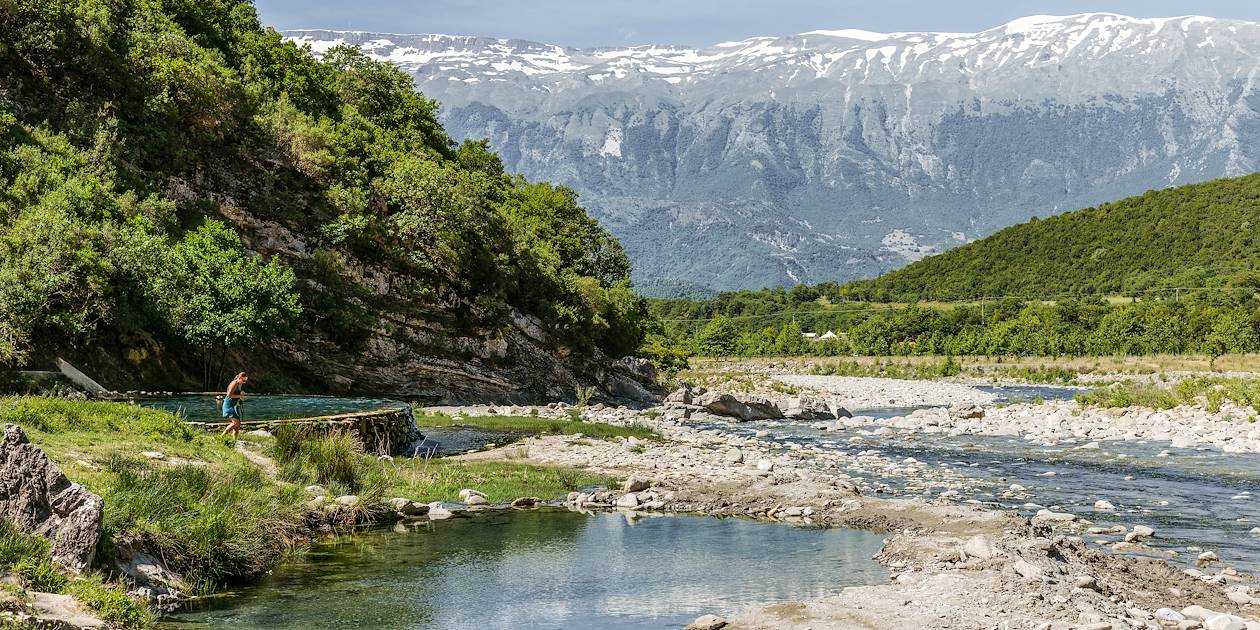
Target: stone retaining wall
x=384, y=432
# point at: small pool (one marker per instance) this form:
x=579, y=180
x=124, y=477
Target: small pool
x=548, y=569
x=204, y=408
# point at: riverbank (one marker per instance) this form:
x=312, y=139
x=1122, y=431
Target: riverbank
x=189, y=512
x=954, y=566
x=739, y=374
x=955, y=561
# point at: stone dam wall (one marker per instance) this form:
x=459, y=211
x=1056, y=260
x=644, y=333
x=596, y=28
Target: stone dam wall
x=383, y=432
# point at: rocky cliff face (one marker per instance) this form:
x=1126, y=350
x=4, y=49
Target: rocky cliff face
x=841, y=154
x=431, y=353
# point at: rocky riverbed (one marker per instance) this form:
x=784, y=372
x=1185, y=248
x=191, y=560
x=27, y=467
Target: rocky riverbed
x=955, y=563
x=858, y=392
x=1232, y=429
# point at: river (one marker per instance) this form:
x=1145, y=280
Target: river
x=547, y=569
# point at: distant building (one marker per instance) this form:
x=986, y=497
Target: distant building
x=817, y=337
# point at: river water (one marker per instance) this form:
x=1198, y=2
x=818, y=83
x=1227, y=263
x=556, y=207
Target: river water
x=1192, y=497
x=548, y=569
x=557, y=569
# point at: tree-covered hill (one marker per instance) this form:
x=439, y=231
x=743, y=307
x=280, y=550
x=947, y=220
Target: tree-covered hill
x=1185, y=259
x=180, y=188
x=1190, y=236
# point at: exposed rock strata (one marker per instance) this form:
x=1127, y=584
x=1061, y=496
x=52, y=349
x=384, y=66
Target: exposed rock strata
x=38, y=497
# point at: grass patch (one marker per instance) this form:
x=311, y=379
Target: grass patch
x=110, y=602
x=442, y=479
x=540, y=426
x=216, y=519
x=339, y=464
x=29, y=557
x=1207, y=391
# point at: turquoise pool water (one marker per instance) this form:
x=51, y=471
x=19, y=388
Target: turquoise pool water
x=204, y=408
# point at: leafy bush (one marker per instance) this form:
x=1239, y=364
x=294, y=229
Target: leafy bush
x=1129, y=394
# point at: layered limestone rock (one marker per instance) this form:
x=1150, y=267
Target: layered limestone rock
x=38, y=497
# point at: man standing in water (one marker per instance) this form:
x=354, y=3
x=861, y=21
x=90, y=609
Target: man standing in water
x=232, y=401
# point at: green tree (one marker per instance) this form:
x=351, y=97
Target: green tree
x=1232, y=333
x=216, y=297
x=718, y=337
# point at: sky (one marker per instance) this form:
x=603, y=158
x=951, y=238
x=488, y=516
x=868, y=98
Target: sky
x=699, y=22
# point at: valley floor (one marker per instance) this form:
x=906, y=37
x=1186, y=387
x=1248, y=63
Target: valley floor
x=959, y=552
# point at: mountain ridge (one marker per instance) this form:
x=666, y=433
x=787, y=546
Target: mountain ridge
x=814, y=157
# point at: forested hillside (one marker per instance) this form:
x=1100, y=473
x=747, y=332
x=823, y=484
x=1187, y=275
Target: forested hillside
x=1172, y=271
x=1190, y=236
x=180, y=189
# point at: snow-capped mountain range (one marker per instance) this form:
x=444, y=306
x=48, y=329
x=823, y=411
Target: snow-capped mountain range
x=840, y=154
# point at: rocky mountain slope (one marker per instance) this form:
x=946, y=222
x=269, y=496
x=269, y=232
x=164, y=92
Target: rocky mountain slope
x=843, y=154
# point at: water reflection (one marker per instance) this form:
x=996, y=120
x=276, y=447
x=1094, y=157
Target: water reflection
x=550, y=570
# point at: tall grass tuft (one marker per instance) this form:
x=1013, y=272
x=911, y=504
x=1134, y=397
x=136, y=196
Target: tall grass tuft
x=30, y=558
x=335, y=460
x=212, y=527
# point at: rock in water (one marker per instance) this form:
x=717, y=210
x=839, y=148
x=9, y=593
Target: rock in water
x=630, y=500
x=38, y=497
x=707, y=622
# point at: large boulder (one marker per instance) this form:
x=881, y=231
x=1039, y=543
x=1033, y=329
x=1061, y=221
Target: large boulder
x=762, y=408
x=685, y=394
x=722, y=404
x=807, y=409
x=38, y=497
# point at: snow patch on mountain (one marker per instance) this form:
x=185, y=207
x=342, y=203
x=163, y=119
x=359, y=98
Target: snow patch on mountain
x=773, y=160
